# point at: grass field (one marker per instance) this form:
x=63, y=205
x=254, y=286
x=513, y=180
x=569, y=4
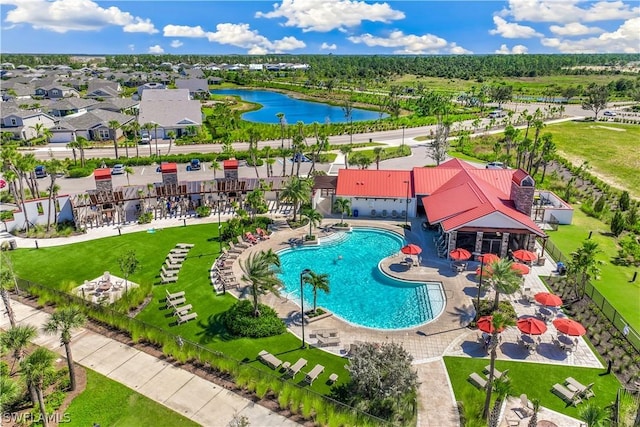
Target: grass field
x=88, y=260
x=109, y=403
x=611, y=149
x=614, y=282
x=534, y=380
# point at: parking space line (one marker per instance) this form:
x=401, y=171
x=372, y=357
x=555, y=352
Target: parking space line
x=142, y=171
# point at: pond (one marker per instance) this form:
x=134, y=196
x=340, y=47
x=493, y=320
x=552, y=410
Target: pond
x=295, y=110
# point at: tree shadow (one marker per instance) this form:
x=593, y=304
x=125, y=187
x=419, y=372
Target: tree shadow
x=213, y=329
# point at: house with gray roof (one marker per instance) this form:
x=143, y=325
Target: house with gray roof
x=198, y=88
x=22, y=123
x=99, y=88
x=93, y=125
x=118, y=105
x=68, y=106
x=170, y=110
x=55, y=91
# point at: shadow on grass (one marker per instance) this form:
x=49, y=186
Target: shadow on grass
x=213, y=329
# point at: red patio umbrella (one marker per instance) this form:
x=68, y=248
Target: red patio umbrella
x=550, y=300
x=488, y=258
x=485, y=324
x=484, y=271
x=531, y=326
x=569, y=327
x=460, y=254
x=411, y=249
x=525, y=256
x=520, y=268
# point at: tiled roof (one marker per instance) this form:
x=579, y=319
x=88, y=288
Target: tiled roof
x=373, y=183
x=169, y=167
x=104, y=173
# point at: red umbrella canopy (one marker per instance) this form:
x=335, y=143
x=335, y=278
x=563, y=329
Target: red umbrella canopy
x=411, y=249
x=525, y=256
x=488, y=258
x=460, y=254
x=531, y=326
x=485, y=324
x=520, y=268
x=483, y=271
x=550, y=300
x=569, y=327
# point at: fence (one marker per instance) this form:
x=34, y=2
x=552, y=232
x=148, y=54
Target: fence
x=180, y=348
x=600, y=301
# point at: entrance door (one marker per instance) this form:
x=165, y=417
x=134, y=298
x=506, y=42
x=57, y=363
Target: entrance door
x=491, y=246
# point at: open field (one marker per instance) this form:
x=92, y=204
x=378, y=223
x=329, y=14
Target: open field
x=81, y=263
x=610, y=148
x=614, y=280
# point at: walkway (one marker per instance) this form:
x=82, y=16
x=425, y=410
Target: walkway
x=195, y=398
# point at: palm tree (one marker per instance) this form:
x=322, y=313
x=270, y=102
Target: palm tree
x=314, y=216
x=35, y=368
x=135, y=128
x=318, y=282
x=343, y=206
x=171, y=135
x=378, y=153
x=295, y=191
x=583, y=265
x=10, y=392
x=502, y=387
x=594, y=416
x=533, y=421
x=16, y=339
x=114, y=125
x=81, y=143
x=346, y=150
x=500, y=322
x=254, y=137
x=128, y=170
x=504, y=279
x=283, y=123
x=258, y=271
x=63, y=321
x=55, y=167
x=148, y=127
x=215, y=166
x=7, y=282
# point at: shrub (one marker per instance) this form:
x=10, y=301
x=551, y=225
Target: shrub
x=617, y=224
x=145, y=218
x=240, y=321
x=203, y=211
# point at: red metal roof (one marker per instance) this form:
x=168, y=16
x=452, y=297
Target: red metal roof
x=230, y=164
x=102, y=173
x=374, y=183
x=519, y=175
x=169, y=167
x=456, y=164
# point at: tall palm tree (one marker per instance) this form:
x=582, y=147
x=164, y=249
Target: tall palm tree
x=343, y=206
x=114, y=125
x=500, y=322
x=502, y=387
x=295, y=191
x=16, y=339
x=81, y=143
x=135, y=128
x=314, y=216
x=34, y=369
x=254, y=137
x=504, y=279
x=148, y=127
x=283, y=123
x=55, y=168
x=215, y=166
x=318, y=282
x=346, y=150
x=7, y=282
x=377, y=151
x=128, y=170
x=63, y=321
x=583, y=266
x=171, y=135
x=258, y=270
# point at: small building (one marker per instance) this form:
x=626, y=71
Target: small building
x=230, y=168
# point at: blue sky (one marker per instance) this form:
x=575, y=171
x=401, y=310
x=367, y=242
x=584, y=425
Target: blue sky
x=341, y=27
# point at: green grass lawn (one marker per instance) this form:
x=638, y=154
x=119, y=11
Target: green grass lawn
x=533, y=379
x=88, y=260
x=109, y=403
x=614, y=280
x=612, y=154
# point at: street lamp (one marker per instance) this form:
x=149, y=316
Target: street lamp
x=479, y=254
x=302, y=274
x=406, y=210
x=403, y=135
x=219, y=226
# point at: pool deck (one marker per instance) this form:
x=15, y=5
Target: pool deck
x=446, y=335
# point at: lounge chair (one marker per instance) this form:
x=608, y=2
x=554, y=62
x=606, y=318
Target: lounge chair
x=571, y=397
x=228, y=255
x=496, y=373
x=314, y=373
x=175, y=295
x=178, y=251
x=269, y=359
x=168, y=279
x=242, y=244
x=477, y=380
x=184, y=245
x=262, y=234
x=172, y=265
x=169, y=272
x=324, y=341
x=173, y=303
x=186, y=317
x=293, y=370
x=233, y=248
x=583, y=390
x=176, y=259
x=250, y=238
x=183, y=310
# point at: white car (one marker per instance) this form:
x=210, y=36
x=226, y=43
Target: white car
x=145, y=138
x=496, y=165
x=118, y=169
x=609, y=113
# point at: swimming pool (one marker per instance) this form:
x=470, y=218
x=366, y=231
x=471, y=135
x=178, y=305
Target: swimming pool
x=359, y=292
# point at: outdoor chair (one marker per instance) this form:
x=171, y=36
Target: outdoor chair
x=168, y=279
x=527, y=405
x=583, y=390
x=175, y=295
x=328, y=341
x=169, y=272
x=242, y=243
x=293, y=370
x=477, y=380
x=268, y=358
x=384, y=213
x=333, y=378
x=314, y=373
x=496, y=373
x=373, y=212
x=262, y=234
x=235, y=249
x=187, y=317
x=394, y=213
x=184, y=245
x=570, y=397
x=183, y=310
x=250, y=238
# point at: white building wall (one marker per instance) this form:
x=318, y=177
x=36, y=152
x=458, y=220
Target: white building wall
x=365, y=206
x=495, y=220
x=37, y=212
x=564, y=216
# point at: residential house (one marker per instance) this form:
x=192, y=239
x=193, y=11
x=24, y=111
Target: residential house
x=103, y=89
x=169, y=110
x=198, y=88
x=55, y=91
x=68, y=106
x=23, y=123
x=150, y=86
x=92, y=125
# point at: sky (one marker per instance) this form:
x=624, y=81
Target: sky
x=339, y=27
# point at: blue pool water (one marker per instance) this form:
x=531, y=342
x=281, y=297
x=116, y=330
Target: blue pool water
x=359, y=292
x=295, y=110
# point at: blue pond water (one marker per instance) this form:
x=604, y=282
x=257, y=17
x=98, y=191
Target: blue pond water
x=295, y=110
x=360, y=293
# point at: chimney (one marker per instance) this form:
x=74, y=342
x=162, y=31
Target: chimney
x=103, y=180
x=522, y=191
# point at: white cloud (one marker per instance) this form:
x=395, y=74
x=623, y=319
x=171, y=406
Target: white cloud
x=567, y=11
x=574, y=29
x=183, y=31
x=516, y=50
x=132, y=47
x=407, y=44
x=326, y=46
x=625, y=39
x=510, y=30
x=458, y=50
x=62, y=16
x=156, y=49
x=328, y=15
x=176, y=44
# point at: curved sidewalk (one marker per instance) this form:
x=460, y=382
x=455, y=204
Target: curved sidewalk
x=200, y=400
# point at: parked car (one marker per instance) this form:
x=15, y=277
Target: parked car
x=194, y=165
x=117, y=169
x=609, y=113
x=302, y=157
x=495, y=165
x=496, y=114
x=41, y=171
x=145, y=138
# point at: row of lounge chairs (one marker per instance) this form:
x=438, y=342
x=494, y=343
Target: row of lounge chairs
x=173, y=262
x=326, y=337
x=178, y=303
x=573, y=392
x=292, y=370
x=384, y=213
